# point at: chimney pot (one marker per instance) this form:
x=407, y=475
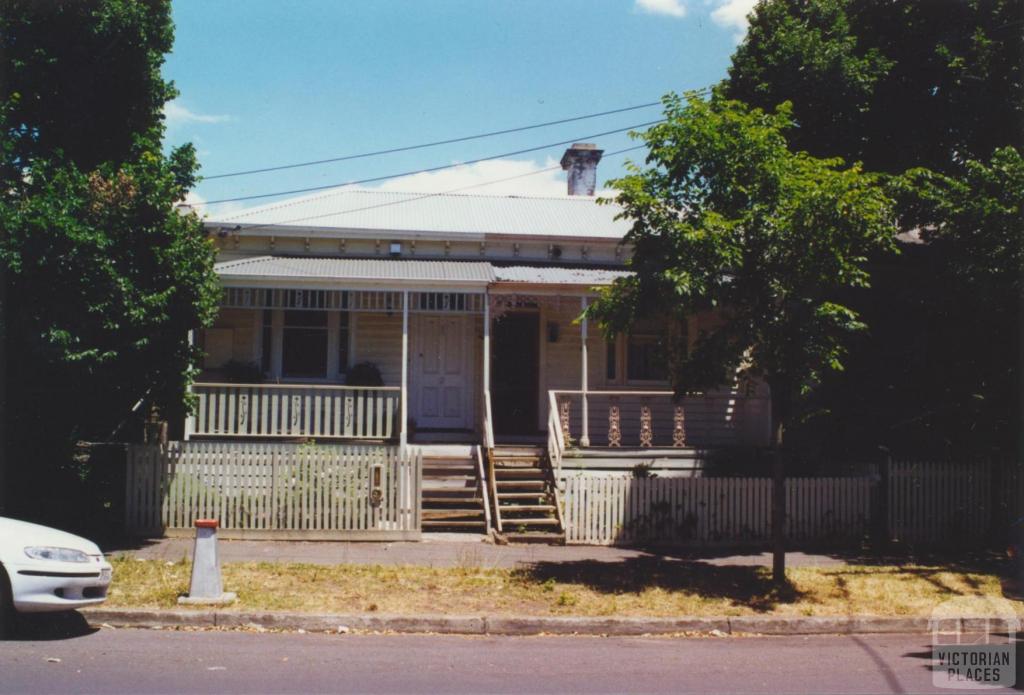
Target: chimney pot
x=580, y=161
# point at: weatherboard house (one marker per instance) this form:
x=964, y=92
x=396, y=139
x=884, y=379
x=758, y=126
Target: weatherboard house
x=450, y=325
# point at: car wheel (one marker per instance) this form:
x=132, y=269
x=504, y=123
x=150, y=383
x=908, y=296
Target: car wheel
x=6, y=606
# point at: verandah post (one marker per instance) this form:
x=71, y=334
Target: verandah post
x=403, y=438
x=585, y=410
x=487, y=343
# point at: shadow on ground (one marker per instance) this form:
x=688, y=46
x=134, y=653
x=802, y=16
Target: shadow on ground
x=748, y=585
x=42, y=627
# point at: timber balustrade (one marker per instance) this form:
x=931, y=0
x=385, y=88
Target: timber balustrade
x=641, y=419
x=295, y=410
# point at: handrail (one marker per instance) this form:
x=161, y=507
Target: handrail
x=482, y=477
x=488, y=426
x=296, y=385
x=556, y=439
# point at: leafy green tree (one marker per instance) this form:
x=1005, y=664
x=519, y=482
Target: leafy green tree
x=894, y=85
x=908, y=89
x=104, y=278
x=81, y=78
x=726, y=218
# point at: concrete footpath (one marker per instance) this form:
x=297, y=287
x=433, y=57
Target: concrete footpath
x=514, y=625
x=443, y=550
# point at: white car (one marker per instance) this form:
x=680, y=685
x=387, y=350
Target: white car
x=43, y=569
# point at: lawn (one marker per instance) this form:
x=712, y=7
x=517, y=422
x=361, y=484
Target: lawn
x=633, y=588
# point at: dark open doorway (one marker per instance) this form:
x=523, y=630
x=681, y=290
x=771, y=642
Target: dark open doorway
x=515, y=370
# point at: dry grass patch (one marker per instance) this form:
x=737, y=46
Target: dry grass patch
x=655, y=588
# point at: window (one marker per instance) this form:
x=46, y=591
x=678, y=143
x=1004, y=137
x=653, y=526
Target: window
x=304, y=344
x=343, y=335
x=609, y=361
x=267, y=344
x=645, y=356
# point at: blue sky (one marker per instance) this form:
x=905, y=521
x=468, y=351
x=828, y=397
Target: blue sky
x=269, y=83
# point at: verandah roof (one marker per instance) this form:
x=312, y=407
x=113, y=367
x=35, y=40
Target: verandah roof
x=396, y=273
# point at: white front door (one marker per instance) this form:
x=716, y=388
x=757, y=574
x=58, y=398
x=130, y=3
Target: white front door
x=440, y=372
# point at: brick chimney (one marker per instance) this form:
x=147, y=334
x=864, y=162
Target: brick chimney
x=580, y=161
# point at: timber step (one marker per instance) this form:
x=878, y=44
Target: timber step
x=519, y=496
x=525, y=499
x=518, y=472
x=517, y=508
x=439, y=500
x=435, y=514
x=532, y=484
x=451, y=498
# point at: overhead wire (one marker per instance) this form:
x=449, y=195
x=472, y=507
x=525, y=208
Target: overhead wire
x=450, y=191
x=427, y=170
x=436, y=143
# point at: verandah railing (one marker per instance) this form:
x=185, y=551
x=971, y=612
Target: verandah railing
x=652, y=419
x=295, y=410
x=275, y=490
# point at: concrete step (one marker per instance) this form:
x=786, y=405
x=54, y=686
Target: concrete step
x=453, y=524
x=534, y=537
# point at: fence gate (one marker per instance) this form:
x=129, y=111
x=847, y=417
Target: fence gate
x=278, y=491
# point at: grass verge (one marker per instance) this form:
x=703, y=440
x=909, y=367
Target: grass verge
x=640, y=588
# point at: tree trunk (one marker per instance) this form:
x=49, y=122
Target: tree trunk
x=779, y=396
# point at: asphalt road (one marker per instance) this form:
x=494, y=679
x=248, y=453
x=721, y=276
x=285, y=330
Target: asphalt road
x=151, y=661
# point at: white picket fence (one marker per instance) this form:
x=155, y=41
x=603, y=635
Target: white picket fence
x=614, y=509
x=284, y=491
x=936, y=503
x=933, y=502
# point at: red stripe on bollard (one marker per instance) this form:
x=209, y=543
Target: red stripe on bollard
x=207, y=523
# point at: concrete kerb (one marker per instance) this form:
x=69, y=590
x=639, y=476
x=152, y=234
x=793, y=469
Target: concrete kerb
x=503, y=625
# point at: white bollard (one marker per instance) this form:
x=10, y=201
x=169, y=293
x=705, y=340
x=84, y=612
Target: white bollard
x=206, y=587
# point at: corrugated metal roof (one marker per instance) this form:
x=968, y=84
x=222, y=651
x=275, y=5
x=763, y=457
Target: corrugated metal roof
x=358, y=209
x=558, y=276
x=393, y=270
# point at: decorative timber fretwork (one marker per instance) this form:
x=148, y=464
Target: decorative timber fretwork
x=678, y=427
x=614, y=426
x=646, y=433
x=447, y=302
x=563, y=417
x=379, y=301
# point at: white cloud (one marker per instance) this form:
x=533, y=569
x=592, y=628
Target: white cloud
x=672, y=8
x=732, y=14
x=177, y=114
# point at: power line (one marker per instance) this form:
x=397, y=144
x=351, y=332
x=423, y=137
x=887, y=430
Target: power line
x=436, y=143
x=430, y=169
x=426, y=195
